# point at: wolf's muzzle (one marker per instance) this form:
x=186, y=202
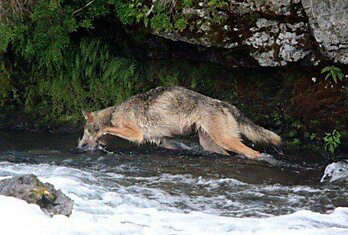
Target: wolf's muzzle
x=83, y=148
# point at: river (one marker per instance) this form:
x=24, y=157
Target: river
x=147, y=190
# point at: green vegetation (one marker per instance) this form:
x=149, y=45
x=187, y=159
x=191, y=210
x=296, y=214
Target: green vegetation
x=187, y=3
x=181, y=24
x=220, y=4
x=332, y=141
x=333, y=72
x=131, y=11
x=252, y=17
x=92, y=77
x=161, y=22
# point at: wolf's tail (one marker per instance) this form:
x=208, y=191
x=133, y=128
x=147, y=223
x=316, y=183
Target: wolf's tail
x=258, y=134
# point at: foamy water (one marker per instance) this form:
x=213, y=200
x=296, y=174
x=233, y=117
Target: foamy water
x=116, y=202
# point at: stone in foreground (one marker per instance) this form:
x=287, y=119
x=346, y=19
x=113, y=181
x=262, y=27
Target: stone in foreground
x=30, y=189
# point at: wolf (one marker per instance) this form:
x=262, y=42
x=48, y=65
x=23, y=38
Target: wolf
x=162, y=113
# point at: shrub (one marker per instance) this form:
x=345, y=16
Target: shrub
x=332, y=141
x=333, y=72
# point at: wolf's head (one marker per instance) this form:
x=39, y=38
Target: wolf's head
x=89, y=141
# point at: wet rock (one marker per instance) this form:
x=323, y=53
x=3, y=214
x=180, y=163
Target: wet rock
x=336, y=172
x=30, y=189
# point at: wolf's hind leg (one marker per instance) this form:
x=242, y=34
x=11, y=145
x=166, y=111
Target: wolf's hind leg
x=234, y=144
x=224, y=131
x=208, y=143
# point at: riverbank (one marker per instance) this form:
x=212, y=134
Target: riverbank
x=265, y=59
x=296, y=102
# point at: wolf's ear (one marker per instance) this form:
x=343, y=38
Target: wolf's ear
x=88, y=116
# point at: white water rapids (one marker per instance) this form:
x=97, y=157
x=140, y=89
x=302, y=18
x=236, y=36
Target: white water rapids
x=117, y=203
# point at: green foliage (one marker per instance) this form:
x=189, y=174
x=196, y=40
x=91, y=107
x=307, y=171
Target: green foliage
x=187, y=3
x=7, y=35
x=42, y=32
x=332, y=141
x=218, y=18
x=277, y=118
x=92, y=79
x=181, y=24
x=170, y=80
x=5, y=85
x=161, y=21
x=218, y=3
x=295, y=142
x=333, y=72
x=254, y=16
x=135, y=11
x=313, y=136
x=130, y=12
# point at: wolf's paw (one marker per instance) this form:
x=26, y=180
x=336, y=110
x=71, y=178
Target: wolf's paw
x=254, y=154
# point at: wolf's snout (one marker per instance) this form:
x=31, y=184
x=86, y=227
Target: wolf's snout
x=87, y=146
x=82, y=147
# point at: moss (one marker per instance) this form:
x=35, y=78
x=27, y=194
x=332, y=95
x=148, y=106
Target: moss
x=252, y=17
x=219, y=4
x=181, y=24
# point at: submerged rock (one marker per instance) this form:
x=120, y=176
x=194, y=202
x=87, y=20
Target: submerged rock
x=30, y=189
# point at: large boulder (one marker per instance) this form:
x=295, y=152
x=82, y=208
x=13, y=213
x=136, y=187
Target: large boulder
x=329, y=24
x=265, y=32
x=30, y=189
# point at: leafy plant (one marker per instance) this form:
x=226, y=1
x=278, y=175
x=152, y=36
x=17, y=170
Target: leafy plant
x=131, y=11
x=295, y=141
x=277, y=118
x=332, y=141
x=313, y=136
x=333, y=72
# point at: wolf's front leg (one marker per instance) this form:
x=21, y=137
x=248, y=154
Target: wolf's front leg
x=128, y=132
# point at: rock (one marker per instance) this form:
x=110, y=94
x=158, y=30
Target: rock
x=30, y=189
x=336, y=172
x=272, y=32
x=329, y=23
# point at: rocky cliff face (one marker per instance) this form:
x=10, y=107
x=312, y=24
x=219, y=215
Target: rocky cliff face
x=270, y=32
x=329, y=25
